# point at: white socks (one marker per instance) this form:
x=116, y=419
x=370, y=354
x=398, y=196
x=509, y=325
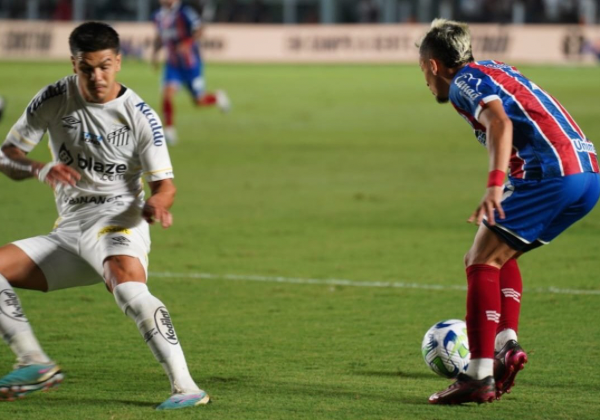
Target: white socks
x=154, y=323
x=480, y=368
x=503, y=337
x=16, y=330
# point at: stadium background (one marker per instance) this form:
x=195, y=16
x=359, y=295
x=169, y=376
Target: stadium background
x=320, y=226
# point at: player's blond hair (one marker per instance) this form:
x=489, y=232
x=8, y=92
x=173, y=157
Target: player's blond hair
x=448, y=41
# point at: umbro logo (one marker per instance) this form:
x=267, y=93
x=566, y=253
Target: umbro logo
x=70, y=122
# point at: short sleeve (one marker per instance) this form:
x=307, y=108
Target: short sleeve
x=471, y=92
x=152, y=146
x=30, y=128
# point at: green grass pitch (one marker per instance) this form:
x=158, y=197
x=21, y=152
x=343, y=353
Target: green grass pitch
x=319, y=172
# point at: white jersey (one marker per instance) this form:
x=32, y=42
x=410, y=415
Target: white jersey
x=111, y=145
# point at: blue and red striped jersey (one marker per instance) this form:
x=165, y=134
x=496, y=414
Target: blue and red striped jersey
x=547, y=142
x=176, y=28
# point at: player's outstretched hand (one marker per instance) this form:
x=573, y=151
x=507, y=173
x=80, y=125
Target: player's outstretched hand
x=157, y=213
x=58, y=174
x=490, y=202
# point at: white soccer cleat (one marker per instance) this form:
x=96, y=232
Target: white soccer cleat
x=223, y=101
x=171, y=135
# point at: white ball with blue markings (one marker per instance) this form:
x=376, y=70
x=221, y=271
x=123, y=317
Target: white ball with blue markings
x=445, y=348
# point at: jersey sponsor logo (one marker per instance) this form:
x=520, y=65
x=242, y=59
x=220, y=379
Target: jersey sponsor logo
x=113, y=229
x=51, y=91
x=119, y=137
x=164, y=325
x=110, y=171
x=64, y=155
x=91, y=199
x=91, y=138
x=70, y=122
x=157, y=130
x=583, y=146
x=463, y=83
x=11, y=306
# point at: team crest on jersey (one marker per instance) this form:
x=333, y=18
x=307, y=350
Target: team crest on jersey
x=119, y=137
x=70, y=122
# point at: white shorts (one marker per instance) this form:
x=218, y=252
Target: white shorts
x=73, y=253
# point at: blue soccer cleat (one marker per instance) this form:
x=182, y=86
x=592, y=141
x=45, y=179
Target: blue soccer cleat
x=27, y=379
x=184, y=400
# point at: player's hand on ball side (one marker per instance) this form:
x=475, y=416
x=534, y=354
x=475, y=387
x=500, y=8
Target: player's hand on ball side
x=152, y=214
x=490, y=202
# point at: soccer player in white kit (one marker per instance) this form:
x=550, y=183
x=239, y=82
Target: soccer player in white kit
x=103, y=139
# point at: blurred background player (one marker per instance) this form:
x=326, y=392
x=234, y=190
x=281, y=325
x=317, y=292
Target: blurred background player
x=553, y=182
x=103, y=138
x=178, y=29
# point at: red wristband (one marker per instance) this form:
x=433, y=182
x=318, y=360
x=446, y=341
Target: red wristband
x=496, y=178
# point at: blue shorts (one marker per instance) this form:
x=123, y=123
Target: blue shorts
x=192, y=78
x=537, y=211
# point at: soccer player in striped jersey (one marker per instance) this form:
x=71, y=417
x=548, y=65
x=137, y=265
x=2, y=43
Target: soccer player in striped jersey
x=178, y=29
x=553, y=182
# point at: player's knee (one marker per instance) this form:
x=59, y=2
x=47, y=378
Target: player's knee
x=133, y=297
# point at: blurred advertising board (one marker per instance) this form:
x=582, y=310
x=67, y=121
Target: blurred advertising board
x=535, y=44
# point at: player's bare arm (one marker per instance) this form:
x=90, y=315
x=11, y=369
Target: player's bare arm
x=156, y=208
x=499, y=144
x=15, y=164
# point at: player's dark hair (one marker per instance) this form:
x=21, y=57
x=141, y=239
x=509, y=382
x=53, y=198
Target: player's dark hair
x=449, y=42
x=93, y=36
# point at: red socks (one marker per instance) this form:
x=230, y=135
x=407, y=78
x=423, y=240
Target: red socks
x=208, y=99
x=483, y=309
x=168, y=112
x=511, y=287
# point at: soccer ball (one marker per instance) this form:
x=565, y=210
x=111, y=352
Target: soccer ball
x=445, y=348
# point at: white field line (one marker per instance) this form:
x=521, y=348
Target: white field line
x=353, y=283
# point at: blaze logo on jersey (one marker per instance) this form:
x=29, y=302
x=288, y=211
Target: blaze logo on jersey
x=89, y=164
x=119, y=137
x=64, y=155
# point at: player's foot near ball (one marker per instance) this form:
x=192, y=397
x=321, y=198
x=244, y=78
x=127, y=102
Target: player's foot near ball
x=465, y=390
x=177, y=401
x=27, y=379
x=507, y=363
